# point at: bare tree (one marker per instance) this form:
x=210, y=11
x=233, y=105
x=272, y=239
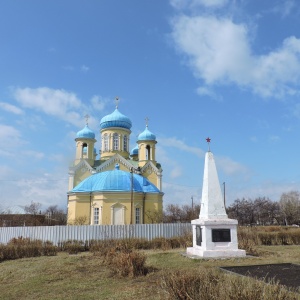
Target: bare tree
x=176, y=214
x=82, y=220
x=33, y=208
x=154, y=216
x=55, y=216
x=290, y=207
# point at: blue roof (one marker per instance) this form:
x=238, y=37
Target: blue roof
x=115, y=119
x=146, y=135
x=115, y=180
x=86, y=132
x=135, y=150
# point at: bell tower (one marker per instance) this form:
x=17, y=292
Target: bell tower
x=85, y=141
x=146, y=145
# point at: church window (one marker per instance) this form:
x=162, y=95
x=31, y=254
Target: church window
x=84, y=150
x=105, y=139
x=125, y=143
x=116, y=141
x=96, y=215
x=137, y=215
x=148, y=152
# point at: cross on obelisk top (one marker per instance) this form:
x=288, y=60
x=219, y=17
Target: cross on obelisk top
x=87, y=119
x=147, y=121
x=208, y=142
x=117, y=101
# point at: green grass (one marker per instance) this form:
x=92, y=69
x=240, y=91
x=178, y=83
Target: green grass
x=85, y=276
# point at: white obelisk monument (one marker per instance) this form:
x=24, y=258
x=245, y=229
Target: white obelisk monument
x=214, y=234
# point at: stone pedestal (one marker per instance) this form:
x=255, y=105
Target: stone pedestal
x=215, y=238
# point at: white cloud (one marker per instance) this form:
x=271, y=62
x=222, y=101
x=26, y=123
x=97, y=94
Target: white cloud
x=230, y=167
x=175, y=143
x=206, y=91
x=284, y=8
x=58, y=103
x=219, y=52
x=181, y=195
x=274, y=138
x=98, y=103
x=181, y=4
x=254, y=139
x=10, y=137
x=11, y=108
x=33, y=154
x=84, y=68
x=175, y=172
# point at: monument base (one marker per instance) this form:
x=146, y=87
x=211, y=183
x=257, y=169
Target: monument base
x=215, y=238
x=193, y=251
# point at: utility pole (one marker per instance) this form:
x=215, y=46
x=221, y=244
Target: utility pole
x=224, y=194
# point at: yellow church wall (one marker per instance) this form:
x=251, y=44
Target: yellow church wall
x=80, y=208
x=80, y=176
x=152, y=177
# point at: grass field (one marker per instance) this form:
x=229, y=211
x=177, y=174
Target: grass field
x=85, y=276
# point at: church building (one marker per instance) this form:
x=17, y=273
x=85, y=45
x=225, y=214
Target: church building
x=121, y=186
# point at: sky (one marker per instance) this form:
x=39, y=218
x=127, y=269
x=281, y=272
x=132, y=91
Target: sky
x=224, y=69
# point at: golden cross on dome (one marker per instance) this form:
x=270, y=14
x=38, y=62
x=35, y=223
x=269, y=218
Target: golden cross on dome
x=117, y=101
x=147, y=121
x=87, y=118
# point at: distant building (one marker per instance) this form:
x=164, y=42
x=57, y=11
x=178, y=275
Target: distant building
x=17, y=216
x=122, y=186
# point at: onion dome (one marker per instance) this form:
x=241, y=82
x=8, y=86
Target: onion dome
x=134, y=151
x=86, y=133
x=115, y=180
x=146, y=135
x=115, y=119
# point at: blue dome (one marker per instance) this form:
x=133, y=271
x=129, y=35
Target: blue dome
x=116, y=119
x=146, y=135
x=86, y=132
x=135, y=150
x=116, y=180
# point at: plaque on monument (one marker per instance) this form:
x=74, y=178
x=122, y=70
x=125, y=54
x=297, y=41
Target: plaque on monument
x=198, y=235
x=221, y=235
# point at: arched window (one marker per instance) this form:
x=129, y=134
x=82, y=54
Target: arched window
x=84, y=150
x=105, y=141
x=116, y=141
x=125, y=148
x=148, y=152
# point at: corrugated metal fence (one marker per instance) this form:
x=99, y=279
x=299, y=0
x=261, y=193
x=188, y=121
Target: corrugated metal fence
x=57, y=234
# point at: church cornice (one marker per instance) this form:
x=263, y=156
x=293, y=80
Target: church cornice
x=150, y=166
x=117, y=158
x=83, y=165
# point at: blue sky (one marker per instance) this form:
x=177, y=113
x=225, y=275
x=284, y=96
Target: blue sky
x=225, y=69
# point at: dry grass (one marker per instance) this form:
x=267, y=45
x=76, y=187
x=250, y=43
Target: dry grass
x=87, y=276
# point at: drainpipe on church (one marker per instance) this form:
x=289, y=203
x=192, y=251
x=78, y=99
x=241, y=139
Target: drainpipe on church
x=143, y=208
x=131, y=195
x=90, y=208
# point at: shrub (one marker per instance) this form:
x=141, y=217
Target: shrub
x=24, y=247
x=129, y=264
x=73, y=246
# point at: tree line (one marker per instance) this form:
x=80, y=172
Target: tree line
x=259, y=211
